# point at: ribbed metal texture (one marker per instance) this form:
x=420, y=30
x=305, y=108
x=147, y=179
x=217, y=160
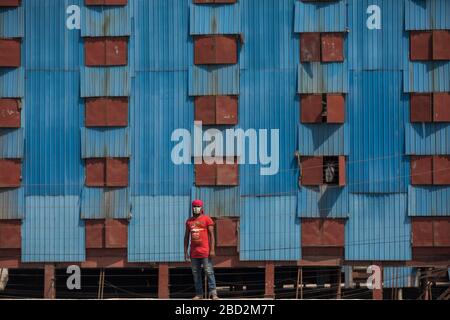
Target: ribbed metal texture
x=400, y=277
x=323, y=139
x=320, y=17
x=216, y=19
x=316, y=77
x=428, y=201
x=12, y=82
x=213, y=80
x=105, y=21
x=12, y=203
x=12, y=22
x=323, y=202
x=101, y=203
x=52, y=230
x=427, y=14
x=426, y=76
x=427, y=138
x=378, y=228
x=269, y=229
x=156, y=231
x=377, y=113
x=104, y=142
x=102, y=82
x=11, y=143
x=219, y=201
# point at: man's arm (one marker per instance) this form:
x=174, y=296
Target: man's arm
x=186, y=243
x=212, y=241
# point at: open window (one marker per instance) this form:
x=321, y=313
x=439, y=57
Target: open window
x=10, y=173
x=325, y=47
x=224, y=174
x=106, y=51
x=430, y=45
x=215, y=49
x=10, y=53
x=327, y=170
x=10, y=113
x=216, y=110
x=106, y=233
x=322, y=108
x=107, y=172
x=106, y=112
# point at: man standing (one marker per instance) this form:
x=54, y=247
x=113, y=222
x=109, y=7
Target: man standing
x=200, y=228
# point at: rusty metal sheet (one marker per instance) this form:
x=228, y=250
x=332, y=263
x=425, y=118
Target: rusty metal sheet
x=422, y=232
x=10, y=3
x=441, y=106
x=227, y=174
x=94, y=51
x=421, y=107
x=116, y=51
x=10, y=173
x=116, y=233
x=226, y=110
x=117, y=172
x=205, y=109
x=335, y=108
x=332, y=47
x=441, y=170
x=441, y=44
x=95, y=172
x=106, y=2
x=421, y=170
x=333, y=232
x=10, y=53
x=421, y=45
x=226, y=50
x=342, y=171
x=106, y=112
x=204, y=50
x=214, y=1
x=311, y=108
x=10, y=234
x=9, y=113
x=205, y=174
x=226, y=232
x=312, y=171
x=95, y=234
x=441, y=231
x=310, y=47
x=311, y=233
x=215, y=50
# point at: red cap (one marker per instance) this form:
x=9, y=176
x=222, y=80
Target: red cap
x=197, y=203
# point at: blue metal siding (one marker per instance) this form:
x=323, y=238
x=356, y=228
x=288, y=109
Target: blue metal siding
x=156, y=232
x=105, y=21
x=12, y=203
x=378, y=228
x=104, y=142
x=269, y=229
x=219, y=201
x=377, y=113
x=320, y=17
x=323, y=139
x=216, y=19
x=426, y=76
x=52, y=230
x=316, y=77
x=11, y=143
x=427, y=14
x=428, y=201
x=12, y=82
x=213, y=80
x=323, y=202
x=101, y=203
x=427, y=138
x=11, y=22
x=400, y=277
x=102, y=82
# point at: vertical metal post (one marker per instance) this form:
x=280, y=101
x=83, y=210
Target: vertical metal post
x=296, y=284
x=49, y=281
x=270, y=279
x=339, y=289
x=163, y=281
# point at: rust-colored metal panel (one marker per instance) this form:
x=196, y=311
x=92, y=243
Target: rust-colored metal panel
x=205, y=109
x=441, y=170
x=441, y=105
x=95, y=234
x=441, y=44
x=342, y=171
x=95, y=172
x=335, y=108
x=10, y=236
x=226, y=110
x=312, y=171
x=117, y=112
x=422, y=232
x=9, y=52
x=117, y=172
x=226, y=232
x=94, y=51
x=9, y=113
x=227, y=174
x=10, y=173
x=116, y=51
x=106, y=112
x=10, y=3
x=226, y=50
x=106, y=2
x=441, y=230
x=332, y=47
x=311, y=108
x=214, y=1
x=421, y=107
x=310, y=47
x=95, y=112
x=421, y=45
x=311, y=232
x=116, y=233
x=205, y=174
x=333, y=232
x=204, y=50
x=421, y=170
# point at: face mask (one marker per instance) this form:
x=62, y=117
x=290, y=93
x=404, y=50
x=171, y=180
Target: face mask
x=197, y=210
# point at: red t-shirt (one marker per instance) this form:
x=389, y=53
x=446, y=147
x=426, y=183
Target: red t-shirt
x=198, y=228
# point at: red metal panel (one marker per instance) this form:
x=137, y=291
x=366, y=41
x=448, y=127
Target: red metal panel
x=333, y=231
x=421, y=107
x=9, y=3
x=335, y=108
x=10, y=236
x=117, y=172
x=226, y=232
x=205, y=174
x=421, y=45
x=116, y=233
x=311, y=233
x=95, y=172
x=441, y=170
x=226, y=110
x=441, y=44
x=226, y=50
x=95, y=115
x=94, y=51
x=106, y=112
x=10, y=173
x=205, y=109
x=117, y=112
x=422, y=232
x=214, y=1
x=9, y=52
x=310, y=47
x=441, y=105
x=9, y=113
x=116, y=51
x=106, y=2
x=421, y=170
x=95, y=234
x=312, y=171
x=332, y=47
x=204, y=50
x=342, y=171
x=311, y=108
x=441, y=230
x=227, y=174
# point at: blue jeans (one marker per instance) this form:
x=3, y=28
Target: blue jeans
x=196, y=264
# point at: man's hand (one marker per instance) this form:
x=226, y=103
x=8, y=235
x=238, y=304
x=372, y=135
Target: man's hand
x=186, y=257
x=212, y=253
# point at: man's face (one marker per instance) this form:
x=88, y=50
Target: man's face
x=196, y=210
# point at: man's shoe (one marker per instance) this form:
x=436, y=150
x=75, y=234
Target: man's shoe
x=197, y=298
x=214, y=297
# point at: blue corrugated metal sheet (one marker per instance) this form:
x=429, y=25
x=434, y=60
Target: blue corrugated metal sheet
x=323, y=202
x=316, y=77
x=323, y=139
x=12, y=203
x=159, y=105
x=105, y=21
x=320, y=17
x=376, y=49
x=427, y=14
x=269, y=229
x=377, y=113
x=427, y=139
x=12, y=82
x=426, y=76
x=214, y=80
x=378, y=228
x=101, y=203
x=219, y=201
x=11, y=143
x=104, y=142
x=52, y=230
x=400, y=277
x=54, y=115
x=216, y=19
x=102, y=82
x=12, y=22
x=156, y=232
x=428, y=201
